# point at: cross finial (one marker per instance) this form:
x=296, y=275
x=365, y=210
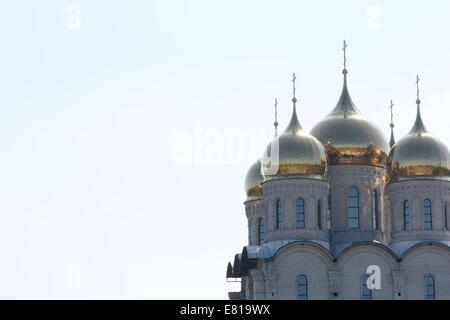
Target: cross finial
x=344, y=48
x=392, y=114
x=293, y=82
x=417, y=84
x=276, y=116
x=392, y=140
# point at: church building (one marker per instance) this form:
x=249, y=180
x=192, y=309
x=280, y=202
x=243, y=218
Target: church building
x=341, y=213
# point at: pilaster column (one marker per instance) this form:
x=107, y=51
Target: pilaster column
x=335, y=278
x=399, y=277
x=258, y=285
x=271, y=284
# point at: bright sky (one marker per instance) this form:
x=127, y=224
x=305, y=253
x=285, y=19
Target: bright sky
x=127, y=127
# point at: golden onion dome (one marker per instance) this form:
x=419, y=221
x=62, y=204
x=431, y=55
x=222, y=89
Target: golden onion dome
x=348, y=137
x=294, y=153
x=253, y=180
x=419, y=155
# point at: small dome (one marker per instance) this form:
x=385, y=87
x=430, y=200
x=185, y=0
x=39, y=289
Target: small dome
x=294, y=152
x=349, y=137
x=419, y=155
x=253, y=180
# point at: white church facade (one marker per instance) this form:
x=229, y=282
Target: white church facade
x=340, y=213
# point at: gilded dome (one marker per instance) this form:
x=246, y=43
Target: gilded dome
x=348, y=137
x=253, y=180
x=419, y=155
x=294, y=152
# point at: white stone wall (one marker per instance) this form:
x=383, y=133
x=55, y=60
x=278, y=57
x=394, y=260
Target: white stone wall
x=422, y=260
x=353, y=264
x=400, y=277
x=288, y=191
x=336, y=273
x=254, y=210
x=365, y=178
x=416, y=192
x=300, y=259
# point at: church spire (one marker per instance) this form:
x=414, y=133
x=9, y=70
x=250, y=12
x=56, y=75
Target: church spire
x=275, y=124
x=418, y=127
x=345, y=105
x=392, y=140
x=294, y=125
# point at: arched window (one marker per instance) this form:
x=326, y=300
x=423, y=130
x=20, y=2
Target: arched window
x=427, y=223
x=300, y=213
x=260, y=231
x=319, y=215
x=353, y=208
x=406, y=216
x=279, y=210
x=445, y=216
x=375, y=210
x=429, y=288
x=329, y=212
x=366, y=293
x=302, y=288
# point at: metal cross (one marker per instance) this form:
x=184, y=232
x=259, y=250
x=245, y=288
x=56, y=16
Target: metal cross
x=276, y=104
x=417, y=83
x=392, y=115
x=293, y=81
x=345, y=57
x=276, y=118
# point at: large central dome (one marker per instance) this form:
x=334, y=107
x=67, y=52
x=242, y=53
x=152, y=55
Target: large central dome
x=348, y=137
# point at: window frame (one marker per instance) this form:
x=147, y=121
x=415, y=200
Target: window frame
x=426, y=286
x=278, y=214
x=446, y=216
x=306, y=295
x=301, y=214
x=375, y=210
x=425, y=214
x=329, y=221
x=319, y=214
x=260, y=239
x=363, y=283
x=349, y=218
x=406, y=222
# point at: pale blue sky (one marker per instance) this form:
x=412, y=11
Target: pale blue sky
x=89, y=120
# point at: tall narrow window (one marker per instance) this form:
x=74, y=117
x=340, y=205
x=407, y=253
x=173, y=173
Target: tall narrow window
x=445, y=216
x=279, y=210
x=406, y=216
x=300, y=213
x=429, y=288
x=427, y=223
x=319, y=215
x=302, y=288
x=366, y=293
x=260, y=231
x=329, y=212
x=375, y=210
x=353, y=208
